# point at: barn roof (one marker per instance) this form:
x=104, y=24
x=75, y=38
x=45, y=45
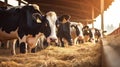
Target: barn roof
x=78, y=9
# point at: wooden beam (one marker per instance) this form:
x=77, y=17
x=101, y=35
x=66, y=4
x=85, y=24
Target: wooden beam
x=22, y=1
x=102, y=14
x=6, y=2
x=92, y=16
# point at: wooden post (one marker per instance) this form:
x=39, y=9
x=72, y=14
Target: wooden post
x=19, y=2
x=6, y=2
x=92, y=16
x=102, y=15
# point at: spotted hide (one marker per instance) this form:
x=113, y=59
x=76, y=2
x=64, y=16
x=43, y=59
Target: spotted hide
x=76, y=32
x=24, y=23
x=92, y=34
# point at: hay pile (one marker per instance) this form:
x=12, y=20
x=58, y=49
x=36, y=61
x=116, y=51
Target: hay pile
x=83, y=55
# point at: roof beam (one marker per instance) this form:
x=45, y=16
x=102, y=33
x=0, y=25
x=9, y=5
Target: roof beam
x=62, y=8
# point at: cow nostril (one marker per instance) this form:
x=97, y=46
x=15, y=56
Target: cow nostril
x=79, y=36
x=92, y=38
x=53, y=39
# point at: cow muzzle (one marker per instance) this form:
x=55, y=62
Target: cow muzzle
x=50, y=39
x=80, y=37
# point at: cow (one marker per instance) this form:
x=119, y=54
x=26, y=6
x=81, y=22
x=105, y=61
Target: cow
x=95, y=35
x=25, y=24
x=76, y=32
x=91, y=34
x=86, y=33
x=64, y=30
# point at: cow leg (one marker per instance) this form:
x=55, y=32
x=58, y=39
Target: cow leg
x=56, y=43
x=13, y=47
x=12, y=44
x=62, y=43
x=29, y=49
x=17, y=43
x=33, y=50
x=40, y=43
x=43, y=42
x=3, y=44
x=23, y=47
x=69, y=40
x=59, y=42
x=75, y=40
x=8, y=44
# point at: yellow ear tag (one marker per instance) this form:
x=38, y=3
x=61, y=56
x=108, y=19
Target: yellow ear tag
x=38, y=20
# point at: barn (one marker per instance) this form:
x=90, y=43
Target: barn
x=84, y=55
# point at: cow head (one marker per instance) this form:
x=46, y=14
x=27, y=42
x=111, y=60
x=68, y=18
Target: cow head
x=95, y=35
x=47, y=22
x=78, y=27
x=29, y=21
x=64, y=29
x=76, y=32
x=51, y=17
x=36, y=15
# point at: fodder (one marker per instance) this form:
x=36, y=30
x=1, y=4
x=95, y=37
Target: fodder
x=82, y=55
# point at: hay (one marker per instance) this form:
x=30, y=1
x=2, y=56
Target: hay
x=82, y=55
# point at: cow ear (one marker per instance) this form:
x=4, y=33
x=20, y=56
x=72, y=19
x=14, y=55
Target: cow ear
x=64, y=20
x=36, y=7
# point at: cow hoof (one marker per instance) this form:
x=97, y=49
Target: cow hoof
x=22, y=48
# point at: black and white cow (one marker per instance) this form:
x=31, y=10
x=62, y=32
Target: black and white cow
x=76, y=32
x=64, y=30
x=92, y=34
x=95, y=35
x=26, y=23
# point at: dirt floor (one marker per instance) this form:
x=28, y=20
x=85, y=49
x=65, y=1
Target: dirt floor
x=82, y=55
